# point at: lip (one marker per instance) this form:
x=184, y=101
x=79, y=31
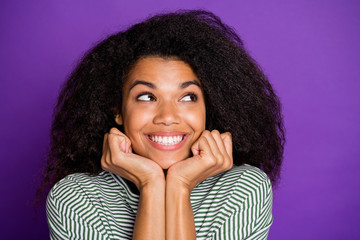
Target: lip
x=169, y=134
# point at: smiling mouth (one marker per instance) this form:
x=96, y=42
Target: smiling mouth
x=167, y=140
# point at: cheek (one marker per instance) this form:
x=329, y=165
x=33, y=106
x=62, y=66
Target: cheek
x=196, y=118
x=134, y=120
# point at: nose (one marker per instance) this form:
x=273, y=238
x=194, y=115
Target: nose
x=167, y=114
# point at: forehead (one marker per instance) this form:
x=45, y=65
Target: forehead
x=159, y=70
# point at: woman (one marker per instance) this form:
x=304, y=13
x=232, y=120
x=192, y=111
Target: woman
x=160, y=133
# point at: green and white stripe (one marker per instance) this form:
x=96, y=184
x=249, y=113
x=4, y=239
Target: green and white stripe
x=236, y=204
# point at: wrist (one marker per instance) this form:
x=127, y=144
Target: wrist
x=177, y=188
x=152, y=185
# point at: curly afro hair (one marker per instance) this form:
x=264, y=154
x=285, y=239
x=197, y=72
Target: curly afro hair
x=238, y=96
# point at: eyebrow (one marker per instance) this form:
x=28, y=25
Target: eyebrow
x=137, y=82
x=150, y=85
x=188, y=83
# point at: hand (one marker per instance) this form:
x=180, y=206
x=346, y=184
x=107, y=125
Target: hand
x=212, y=154
x=118, y=158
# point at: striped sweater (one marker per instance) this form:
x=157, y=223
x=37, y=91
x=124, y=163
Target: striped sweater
x=236, y=204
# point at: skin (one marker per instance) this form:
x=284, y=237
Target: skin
x=163, y=97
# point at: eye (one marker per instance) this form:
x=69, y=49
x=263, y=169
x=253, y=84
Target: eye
x=191, y=97
x=146, y=97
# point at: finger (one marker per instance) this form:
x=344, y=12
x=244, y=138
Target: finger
x=118, y=152
x=200, y=146
x=113, y=157
x=214, y=148
x=115, y=131
x=129, y=149
x=106, y=163
x=195, y=149
x=219, y=141
x=114, y=140
x=119, y=133
x=105, y=158
x=205, y=151
x=115, y=148
x=222, y=144
x=126, y=143
x=123, y=145
x=105, y=148
x=227, y=138
x=105, y=142
x=128, y=146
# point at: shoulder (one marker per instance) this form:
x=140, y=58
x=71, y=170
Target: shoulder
x=244, y=178
x=235, y=186
x=246, y=173
x=90, y=207
x=239, y=199
x=248, y=182
x=79, y=188
x=240, y=185
x=75, y=206
x=247, y=177
x=79, y=182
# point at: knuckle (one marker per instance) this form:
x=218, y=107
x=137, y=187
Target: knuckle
x=231, y=162
x=104, y=164
x=202, y=139
x=115, y=137
x=111, y=136
x=228, y=165
x=228, y=135
x=220, y=158
x=206, y=133
x=104, y=160
x=114, y=130
x=216, y=132
x=211, y=161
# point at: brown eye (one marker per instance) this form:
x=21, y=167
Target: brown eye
x=191, y=97
x=146, y=97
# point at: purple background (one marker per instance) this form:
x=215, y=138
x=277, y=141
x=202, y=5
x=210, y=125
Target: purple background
x=309, y=49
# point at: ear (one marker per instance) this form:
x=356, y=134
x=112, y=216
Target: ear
x=118, y=119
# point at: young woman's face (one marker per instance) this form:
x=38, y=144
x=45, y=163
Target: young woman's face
x=163, y=111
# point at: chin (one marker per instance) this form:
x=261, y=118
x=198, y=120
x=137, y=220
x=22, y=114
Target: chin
x=165, y=163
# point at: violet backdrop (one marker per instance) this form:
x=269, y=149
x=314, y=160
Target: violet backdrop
x=309, y=50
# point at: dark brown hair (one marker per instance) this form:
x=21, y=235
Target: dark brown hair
x=239, y=98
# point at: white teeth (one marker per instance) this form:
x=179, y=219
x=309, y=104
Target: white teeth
x=169, y=140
